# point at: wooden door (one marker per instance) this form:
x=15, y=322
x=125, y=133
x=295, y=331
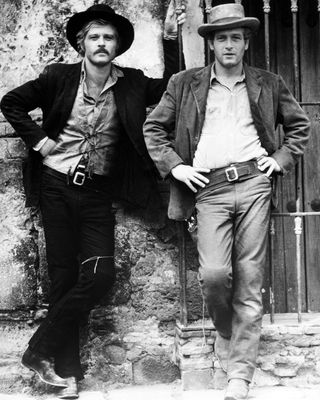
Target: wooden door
x=296, y=58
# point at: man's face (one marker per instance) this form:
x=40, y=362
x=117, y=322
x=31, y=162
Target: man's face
x=101, y=44
x=229, y=46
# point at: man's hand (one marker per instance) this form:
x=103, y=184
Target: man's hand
x=190, y=176
x=47, y=147
x=269, y=165
x=175, y=16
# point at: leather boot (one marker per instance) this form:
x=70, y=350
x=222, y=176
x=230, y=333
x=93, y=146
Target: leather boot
x=43, y=367
x=237, y=389
x=71, y=391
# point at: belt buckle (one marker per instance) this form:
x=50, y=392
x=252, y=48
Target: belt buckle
x=80, y=175
x=231, y=174
x=79, y=178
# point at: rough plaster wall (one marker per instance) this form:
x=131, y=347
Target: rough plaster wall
x=131, y=333
x=31, y=36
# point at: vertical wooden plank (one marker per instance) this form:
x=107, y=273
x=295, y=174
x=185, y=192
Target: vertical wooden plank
x=257, y=58
x=286, y=67
x=281, y=61
x=281, y=58
x=310, y=89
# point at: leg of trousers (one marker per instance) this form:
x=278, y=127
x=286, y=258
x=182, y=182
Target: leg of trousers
x=233, y=221
x=79, y=232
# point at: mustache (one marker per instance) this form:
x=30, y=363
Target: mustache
x=104, y=51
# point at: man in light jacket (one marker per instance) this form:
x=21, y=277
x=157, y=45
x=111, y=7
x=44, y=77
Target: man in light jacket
x=214, y=135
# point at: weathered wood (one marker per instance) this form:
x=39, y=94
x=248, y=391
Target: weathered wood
x=310, y=89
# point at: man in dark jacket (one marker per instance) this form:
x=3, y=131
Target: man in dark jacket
x=221, y=161
x=89, y=150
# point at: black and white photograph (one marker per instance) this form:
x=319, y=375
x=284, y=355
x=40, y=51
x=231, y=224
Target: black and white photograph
x=160, y=199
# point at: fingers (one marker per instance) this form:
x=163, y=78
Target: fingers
x=266, y=165
x=198, y=177
x=181, y=19
x=181, y=14
x=200, y=182
x=190, y=176
x=204, y=170
x=190, y=186
x=269, y=172
x=269, y=164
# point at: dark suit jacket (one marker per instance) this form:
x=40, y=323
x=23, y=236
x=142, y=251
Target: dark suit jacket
x=54, y=93
x=182, y=110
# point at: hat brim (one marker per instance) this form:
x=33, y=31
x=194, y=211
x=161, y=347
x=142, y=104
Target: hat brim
x=253, y=24
x=123, y=25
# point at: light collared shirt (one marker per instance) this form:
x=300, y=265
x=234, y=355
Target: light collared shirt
x=228, y=135
x=92, y=129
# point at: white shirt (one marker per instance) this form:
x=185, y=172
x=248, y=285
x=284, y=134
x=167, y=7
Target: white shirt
x=228, y=135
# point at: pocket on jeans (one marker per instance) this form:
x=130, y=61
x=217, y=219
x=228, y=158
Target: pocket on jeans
x=265, y=180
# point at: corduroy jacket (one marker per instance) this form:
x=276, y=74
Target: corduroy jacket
x=173, y=129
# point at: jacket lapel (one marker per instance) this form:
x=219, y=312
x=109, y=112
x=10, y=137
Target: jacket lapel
x=69, y=92
x=254, y=88
x=121, y=89
x=199, y=88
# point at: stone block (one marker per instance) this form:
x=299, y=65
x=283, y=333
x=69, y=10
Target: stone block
x=192, y=348
x=294, y=351
x=12, y=148
x=295, y=361
x=303, y=341
x=285, y=372
x=197, y=379
x=291, y=330
x=195, y=362
x=115, y=354
x=154, y=370
x=312, y=330
x=266, y=365
x=262, y=378
x=195, y=333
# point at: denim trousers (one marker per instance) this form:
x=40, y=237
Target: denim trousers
x=233, y=220
x=79, y=234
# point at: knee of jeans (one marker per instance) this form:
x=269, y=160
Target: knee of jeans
x=99, y=272
x=214, y=277
x=251, y=309
x=103, y=282
x=104, y=276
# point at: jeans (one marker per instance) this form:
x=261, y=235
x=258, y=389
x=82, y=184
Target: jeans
x=79, y=233
x=233, y=220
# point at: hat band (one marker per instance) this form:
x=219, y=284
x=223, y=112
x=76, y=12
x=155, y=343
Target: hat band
x=228, y=20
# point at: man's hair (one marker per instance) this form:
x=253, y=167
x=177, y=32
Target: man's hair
x=247, y=33
x=81, y=35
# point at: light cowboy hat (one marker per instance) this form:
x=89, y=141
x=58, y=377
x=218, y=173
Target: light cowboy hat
x=228, y=16
x=101, y=11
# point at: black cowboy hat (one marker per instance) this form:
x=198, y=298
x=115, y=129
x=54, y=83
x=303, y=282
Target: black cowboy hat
x=101, y=11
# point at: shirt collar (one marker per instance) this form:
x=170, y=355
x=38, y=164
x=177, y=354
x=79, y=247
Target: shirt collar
x=115, y=72
x=213, y=76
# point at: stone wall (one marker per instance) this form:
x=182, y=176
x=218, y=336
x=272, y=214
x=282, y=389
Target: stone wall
x=131, y=333
x=288, y=354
